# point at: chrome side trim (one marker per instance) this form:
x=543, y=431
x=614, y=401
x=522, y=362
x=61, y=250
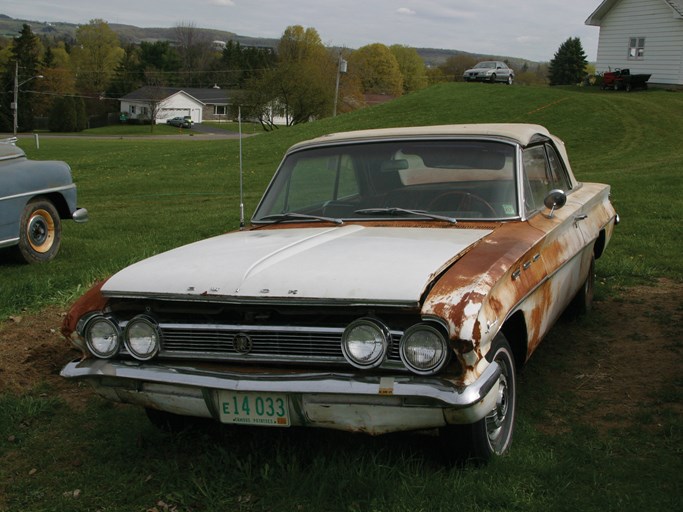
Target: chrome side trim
x=40, y=192
x=442, y=391
x=9, y=242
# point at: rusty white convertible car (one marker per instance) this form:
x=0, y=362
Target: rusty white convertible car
x=390, y=280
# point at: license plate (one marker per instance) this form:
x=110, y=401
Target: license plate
x=263, y=409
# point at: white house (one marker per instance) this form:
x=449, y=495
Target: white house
x=162, y=102
x=201, y=104
x=645, y=36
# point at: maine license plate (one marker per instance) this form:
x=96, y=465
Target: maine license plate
x=264, y=409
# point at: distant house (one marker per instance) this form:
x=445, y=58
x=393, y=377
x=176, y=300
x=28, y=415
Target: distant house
x=201, y=104
x=645, y=36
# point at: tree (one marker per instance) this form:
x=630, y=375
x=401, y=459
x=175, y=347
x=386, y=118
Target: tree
x=377, y=69
x=435, y=76
x=56, y=82
x=301, y=87
x=95, y=57
x=195, y=51
x=455, y=65
x=241, y=64
x=568, y=65
x=68, y=115
x=26, y=61
x=299, y=44
x=412, y=68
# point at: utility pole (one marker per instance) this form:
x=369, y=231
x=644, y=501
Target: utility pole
x=16, y=94
x=341, y=68
x=15, y=103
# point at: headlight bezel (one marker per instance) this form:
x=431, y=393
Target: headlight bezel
x=439, y=362
x=116, y=331
x=382, y=345
x=154, y=329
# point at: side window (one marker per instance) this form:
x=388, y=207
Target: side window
x=558, y=172
x=543, y=172
x=537, y=183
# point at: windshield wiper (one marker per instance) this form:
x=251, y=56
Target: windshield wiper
x=398, y=211
x=280, y=217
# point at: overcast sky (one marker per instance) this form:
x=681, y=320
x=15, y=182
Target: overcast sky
x=530, y=29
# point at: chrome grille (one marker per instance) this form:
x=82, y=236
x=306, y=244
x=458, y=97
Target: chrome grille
x=268, y=343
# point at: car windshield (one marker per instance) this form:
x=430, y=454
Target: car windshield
x=486, y=65
x=433, y=180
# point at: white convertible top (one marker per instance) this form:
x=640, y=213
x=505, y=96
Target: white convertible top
x=518, y=132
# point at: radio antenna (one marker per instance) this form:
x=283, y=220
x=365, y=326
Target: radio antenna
x=239, y=124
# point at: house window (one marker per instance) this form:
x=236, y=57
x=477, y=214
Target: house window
x=219, y=110
x=636, y=48
x=132, y=109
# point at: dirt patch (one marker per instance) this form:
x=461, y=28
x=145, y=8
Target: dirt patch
x=626, y=364
x=33, y=351
x=640, y=366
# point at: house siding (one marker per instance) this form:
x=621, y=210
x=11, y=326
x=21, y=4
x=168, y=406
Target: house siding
x=663, y=32
x=180, y=105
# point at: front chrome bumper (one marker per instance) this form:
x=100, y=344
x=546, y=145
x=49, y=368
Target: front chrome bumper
x=375, y=404
x=80, y=215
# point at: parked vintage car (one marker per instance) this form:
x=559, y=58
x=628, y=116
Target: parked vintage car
x=490, y=71
x=181, y=122
x=391, y=280
x=34, y=198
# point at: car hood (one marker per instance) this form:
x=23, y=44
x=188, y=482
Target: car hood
x=350, y=263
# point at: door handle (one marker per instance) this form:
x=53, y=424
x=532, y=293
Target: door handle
x=579, y=218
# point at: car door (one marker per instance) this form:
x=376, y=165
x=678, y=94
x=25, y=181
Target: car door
x=563, y=250
x=12, y=202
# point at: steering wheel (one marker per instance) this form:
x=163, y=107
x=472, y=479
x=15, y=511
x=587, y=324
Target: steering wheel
x=465, y=201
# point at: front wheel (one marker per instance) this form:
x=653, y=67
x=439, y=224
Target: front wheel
x=40, y=232
x=510, y=79
x=492, y=435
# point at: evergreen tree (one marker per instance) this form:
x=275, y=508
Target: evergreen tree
x=26, y=51
x=68, y=115
x=568, y=66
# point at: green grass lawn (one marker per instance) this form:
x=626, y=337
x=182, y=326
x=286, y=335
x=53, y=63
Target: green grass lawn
x=147, y=196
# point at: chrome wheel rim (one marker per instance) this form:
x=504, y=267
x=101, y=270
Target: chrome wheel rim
x=496, y=419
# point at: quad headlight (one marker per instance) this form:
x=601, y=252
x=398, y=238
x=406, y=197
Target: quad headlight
x=423, y=349
x=142, y=337
x=102, y=337
x=365, y=343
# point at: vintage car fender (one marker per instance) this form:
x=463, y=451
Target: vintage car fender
x=22, y=179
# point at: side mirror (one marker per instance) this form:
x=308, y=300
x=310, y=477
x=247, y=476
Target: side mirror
x=555, y=199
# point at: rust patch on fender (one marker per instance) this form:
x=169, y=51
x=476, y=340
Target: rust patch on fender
x=92, y=300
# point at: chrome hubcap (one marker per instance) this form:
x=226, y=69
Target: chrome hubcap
x=495, y=421
x=38, y=231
